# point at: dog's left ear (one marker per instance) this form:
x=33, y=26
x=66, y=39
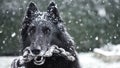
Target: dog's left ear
x=31, y=9
x=52, y=10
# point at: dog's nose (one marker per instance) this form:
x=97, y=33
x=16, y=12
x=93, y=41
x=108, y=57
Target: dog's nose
x=35, y=51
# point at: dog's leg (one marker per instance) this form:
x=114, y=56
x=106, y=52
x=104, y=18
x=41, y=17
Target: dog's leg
x=14, y=63
x=27, y=54
x=21, y=60
x=18, y=63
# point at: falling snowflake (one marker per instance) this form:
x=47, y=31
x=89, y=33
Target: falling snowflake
x=13, y=34
x=1, y=31
x=102, y=12
x=3, y=41
x=96, y=38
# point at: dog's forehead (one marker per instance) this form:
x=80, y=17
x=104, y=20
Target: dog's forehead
x=40, y=19
x=41, y=15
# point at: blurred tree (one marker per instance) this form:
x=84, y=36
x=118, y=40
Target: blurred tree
x=92, y=23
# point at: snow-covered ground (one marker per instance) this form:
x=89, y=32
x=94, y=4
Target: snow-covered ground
x=86, y=59
x=5, y=61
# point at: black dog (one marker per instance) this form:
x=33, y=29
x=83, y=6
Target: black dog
x=46, y=43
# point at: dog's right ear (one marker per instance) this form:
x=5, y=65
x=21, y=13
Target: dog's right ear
x=27, y=20
x=31, y=10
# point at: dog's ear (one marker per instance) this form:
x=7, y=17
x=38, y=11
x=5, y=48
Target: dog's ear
x=52, y=10
x=31, y=10
x=27, y=20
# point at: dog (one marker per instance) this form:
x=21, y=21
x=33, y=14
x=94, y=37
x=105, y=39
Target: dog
x=46, y=42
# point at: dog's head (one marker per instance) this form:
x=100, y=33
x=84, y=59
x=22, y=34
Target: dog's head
x=39, y=28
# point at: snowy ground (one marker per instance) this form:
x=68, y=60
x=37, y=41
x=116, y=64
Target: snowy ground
x=86, y=59
x=5, y=62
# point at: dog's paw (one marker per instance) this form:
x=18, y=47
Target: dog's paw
x=14, y=63
x=18, y=63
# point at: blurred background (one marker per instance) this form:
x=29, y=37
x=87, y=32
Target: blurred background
x=92, y=24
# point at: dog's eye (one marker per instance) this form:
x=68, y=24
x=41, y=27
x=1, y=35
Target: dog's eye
x=46, y=30
x=32, y=29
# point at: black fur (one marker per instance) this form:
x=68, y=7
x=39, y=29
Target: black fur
x=51, y=31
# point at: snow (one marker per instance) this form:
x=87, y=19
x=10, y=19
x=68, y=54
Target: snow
x=107, y=53
x=13, y=34
x=69, y=21
x=115, y=37
x=81, y=24
x=12, y=19
x=6, y=61
x=87, y=60
x=25, y=2
x=3, y=41
x=96, y=38
x=67, y=1
x=102, y=12
x=20, y=8
x=112, y=48
x=13, y=13
x=1, y=31
x=1, y=47
x=117, y=1
x=11, y=5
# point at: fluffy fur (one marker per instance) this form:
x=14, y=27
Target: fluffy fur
x=51, y=27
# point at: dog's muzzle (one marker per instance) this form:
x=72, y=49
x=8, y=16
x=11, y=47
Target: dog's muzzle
x=29, y=55
x=39, y=57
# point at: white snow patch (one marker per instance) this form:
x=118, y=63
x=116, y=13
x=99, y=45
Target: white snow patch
x=87, y=60
x=102, y=12
x=3, y=41
x=76, y=22
x=117, y=1
x=5, y=61
x=20, y=8
x=1, y=47
x=13, y=13
x=7, y=12
x=13, y=34
x=24, y=2
x=67, y=2
x=12, y=19
x=81, y=24
x=80, y=20
x=112, y=49
x=117, y=25
x=115, y=37
x=69, y=21
x=96, y=38
x=1, y=31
